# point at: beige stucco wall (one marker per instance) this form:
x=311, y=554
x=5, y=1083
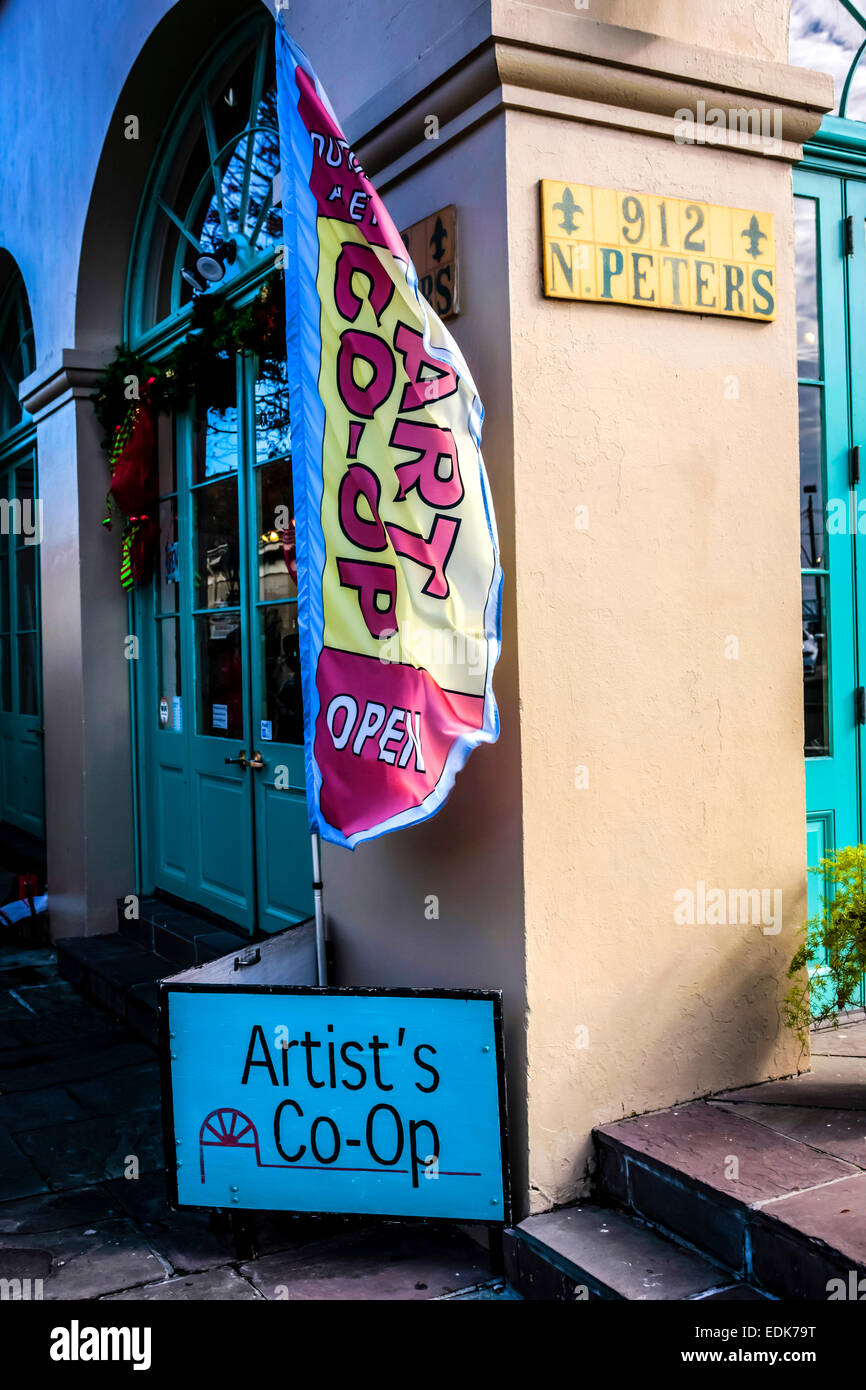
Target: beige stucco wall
x=755, y=30
x=469, y=856
x=679, y=434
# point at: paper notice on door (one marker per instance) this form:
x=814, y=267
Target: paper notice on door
x=177, y=713
x=267, y=731
x=220, y=716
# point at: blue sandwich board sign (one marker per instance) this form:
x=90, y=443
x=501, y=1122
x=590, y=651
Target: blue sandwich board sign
x=384, y=1102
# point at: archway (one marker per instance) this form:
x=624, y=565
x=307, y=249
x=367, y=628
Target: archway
x=22, y=797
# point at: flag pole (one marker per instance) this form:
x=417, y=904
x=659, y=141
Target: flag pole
x=321, y=952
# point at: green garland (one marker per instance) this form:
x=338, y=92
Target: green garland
x=201, y=366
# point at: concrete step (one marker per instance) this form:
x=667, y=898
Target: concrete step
x=179, y=935
x=586, y=1253
x=779, y=1213
x=117, y=974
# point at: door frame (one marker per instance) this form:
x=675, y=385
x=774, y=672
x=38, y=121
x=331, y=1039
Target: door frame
x=836, y=157
x=267, y=916
x=18, y=447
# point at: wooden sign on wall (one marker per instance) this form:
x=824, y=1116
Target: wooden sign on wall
x=432, y=244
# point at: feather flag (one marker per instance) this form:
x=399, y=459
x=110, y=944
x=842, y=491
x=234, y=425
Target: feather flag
x=399, y=581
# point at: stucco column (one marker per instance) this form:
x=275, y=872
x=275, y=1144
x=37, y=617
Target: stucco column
x=658, y=596
x=85, y=668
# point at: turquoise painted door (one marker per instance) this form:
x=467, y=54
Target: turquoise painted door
x=21, y=735
x=830, y=227
x=283, y=866
x=221, y=777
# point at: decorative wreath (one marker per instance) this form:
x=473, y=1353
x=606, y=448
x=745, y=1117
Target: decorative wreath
x=133, y=391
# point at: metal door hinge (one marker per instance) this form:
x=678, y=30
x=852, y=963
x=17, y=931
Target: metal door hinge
x=848, y=231
x=860, y=705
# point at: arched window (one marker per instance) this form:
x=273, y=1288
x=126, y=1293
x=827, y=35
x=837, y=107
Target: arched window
x=830, y=36
x=208, y=217
x=21, y=770
x=16, y=344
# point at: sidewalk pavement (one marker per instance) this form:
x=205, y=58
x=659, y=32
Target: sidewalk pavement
x=82, y=1186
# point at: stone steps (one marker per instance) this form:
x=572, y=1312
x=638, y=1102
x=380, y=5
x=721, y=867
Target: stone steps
x=755, y=1193
x=781, y=1214
x=586, y=1253
x=118, y=975
x=177, y=934
x=121, y=971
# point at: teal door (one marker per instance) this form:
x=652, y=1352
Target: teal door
x=220, y=775
x=21, y=746
x=830, y=229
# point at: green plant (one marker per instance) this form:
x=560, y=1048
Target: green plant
x=201, y=363
x=835, y=940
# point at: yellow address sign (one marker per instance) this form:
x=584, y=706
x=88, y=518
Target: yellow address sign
x=615, y=247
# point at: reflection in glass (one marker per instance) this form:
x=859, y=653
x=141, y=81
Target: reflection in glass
x=28, y=702
x=216, y=437
x=215, y=515
x=25, y=564
x=246, y=189
x=4, y=591
x=170, y=687
x=165, y=443
x=278, y=571
x=25, y=489
x=6, y=673
x=219, y=675
x=812, y=540
x=220, y=184
x=169, y=573
x=824, y=35
x=282, y=702
x=806, y=262
x=815, y=665
x=273, y=436
x=17, y=357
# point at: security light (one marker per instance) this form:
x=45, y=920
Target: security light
x=198, y=286
x=213, y=267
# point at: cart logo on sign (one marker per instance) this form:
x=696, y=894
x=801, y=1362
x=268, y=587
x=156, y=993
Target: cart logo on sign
x=316, y=1100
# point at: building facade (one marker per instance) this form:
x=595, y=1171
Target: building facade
x=644, y=472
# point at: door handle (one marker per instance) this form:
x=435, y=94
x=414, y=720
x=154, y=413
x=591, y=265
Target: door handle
x=256, y=762
x=240, y=760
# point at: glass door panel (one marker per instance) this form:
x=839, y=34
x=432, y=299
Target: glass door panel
x=829, y=630
x=226, y=819
x=220, y=736
x=21, y=733
x=282, y=832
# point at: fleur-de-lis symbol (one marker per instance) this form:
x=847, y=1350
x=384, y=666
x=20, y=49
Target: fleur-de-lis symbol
x=568, y=207
x=754, y=236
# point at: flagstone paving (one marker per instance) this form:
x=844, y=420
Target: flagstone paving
x=82, y=1188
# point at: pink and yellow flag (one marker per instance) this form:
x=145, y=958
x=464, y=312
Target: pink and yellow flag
x=399, y=583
